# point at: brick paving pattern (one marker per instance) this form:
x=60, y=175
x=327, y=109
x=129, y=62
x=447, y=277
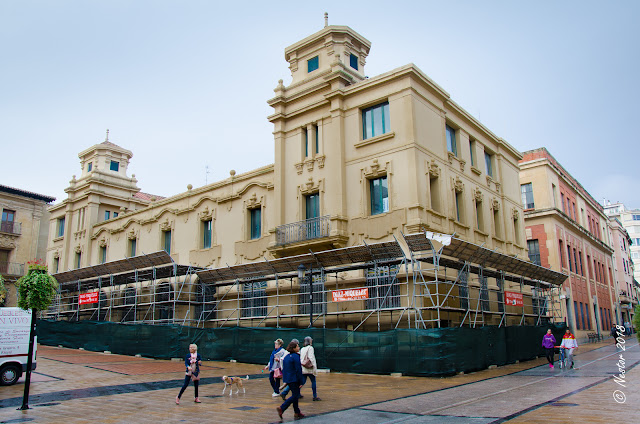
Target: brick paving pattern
x=72, y=386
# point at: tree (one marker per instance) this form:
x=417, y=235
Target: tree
x=36, y=291
x=636, y=321
x=3, y=291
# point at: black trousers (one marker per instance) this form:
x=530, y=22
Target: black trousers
x=187, y=379
x=550, y=354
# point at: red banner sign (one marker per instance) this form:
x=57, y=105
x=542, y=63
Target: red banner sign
x=88, y=298
x=350, y=294
x=513, y=299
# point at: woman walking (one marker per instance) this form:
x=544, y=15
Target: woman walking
x=192, y=362
x=292, y=375
x=275, y=366
x=549, y=343
x=309, y=368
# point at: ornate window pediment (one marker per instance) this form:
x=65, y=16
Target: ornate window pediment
x=433, y=169
x=458, y=185
x=103, y=242
x=477, y=195
x=132, y=235
x=166, y=225
x=78, y=249
x=310, y=186
x=515, y=214
x=205, y=214
x=376, y=170
x=495, y=204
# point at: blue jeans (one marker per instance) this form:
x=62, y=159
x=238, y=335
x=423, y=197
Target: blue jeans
x=275, y=383
x=293, y=399
x=304, y=381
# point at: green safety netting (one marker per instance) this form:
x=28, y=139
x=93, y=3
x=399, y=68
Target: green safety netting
x=433, y=352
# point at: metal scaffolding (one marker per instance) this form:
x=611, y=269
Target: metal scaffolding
x=370, y=287
x=451, y=285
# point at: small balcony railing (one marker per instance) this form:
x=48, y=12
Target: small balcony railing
x=11, y=227
x=308, y=229
x=11, y=268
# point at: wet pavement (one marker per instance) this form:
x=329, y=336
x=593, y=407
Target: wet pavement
x=73, y=386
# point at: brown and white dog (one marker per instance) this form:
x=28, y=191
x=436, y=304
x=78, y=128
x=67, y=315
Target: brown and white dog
x=230, y=381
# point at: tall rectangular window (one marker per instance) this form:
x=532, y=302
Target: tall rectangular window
x=114, y=166
x=78, y=260
x=60, y=232
x=305, y=140
x=254, y=299
x=584, y=319
x=580, y=260
x=434, y=193
x=575, y=311
x=586, y=309
x=375, y=120
x=479, y=215
x=554, y=194
x=312, y=64
x=256, y=227
x=103, y=254
x=316, y=138
x=132, y=247
x=458, y=206
x=312, y=205
x=353, y=61
x=107, y=215
x=534, y=251
x=472, y=153
x=206, y=234
x=569, y=257
x=575, y=260
x=488, y=160
x=56, y=265
x=526, y=195
x=384, y=291
x=451, y=140
x=497, y=228
x=379, y=195
x=561, y=252
x=166, y=239
x=89, y=167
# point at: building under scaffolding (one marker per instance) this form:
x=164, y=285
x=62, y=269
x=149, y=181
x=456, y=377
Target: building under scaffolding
x=434, y=281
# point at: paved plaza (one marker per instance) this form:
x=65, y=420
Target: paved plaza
x=74, y=386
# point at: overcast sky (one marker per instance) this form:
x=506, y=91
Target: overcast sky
x=184, y=84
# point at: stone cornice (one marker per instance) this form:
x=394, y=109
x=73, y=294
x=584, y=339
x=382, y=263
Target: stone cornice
x=539, y=213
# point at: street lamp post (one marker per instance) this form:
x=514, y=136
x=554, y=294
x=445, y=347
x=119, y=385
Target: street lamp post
x=301, y=272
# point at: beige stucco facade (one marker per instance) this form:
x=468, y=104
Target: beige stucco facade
x=357, y=160
x=23, y=234
x=569, y=230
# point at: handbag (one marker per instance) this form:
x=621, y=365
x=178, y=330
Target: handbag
x=195, y=377
x=277, y=373
x=307, y=362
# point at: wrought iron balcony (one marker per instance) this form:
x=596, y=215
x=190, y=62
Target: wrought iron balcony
x=11, y=227
x=308, y=229
x=11, y=268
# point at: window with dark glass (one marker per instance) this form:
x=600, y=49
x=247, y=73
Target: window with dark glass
x=8, y=220
x=451, y=140
x=107, y=215
x=353, y=61
x=488, y=160
x=319, y=295
x=534, y=251
x=166, y=238
x=60, y=232
x=89, y=167
x=103, y=254
x=254, y=299
x=56, y=265
x=379, y=195
x=206, y=234
x=255, y=218
x=78, y=260
x=575, y=311
x=384, y=291
x=312, y=64
x=458, y=198
x=526, y=194
x=114, y=166
x=472, y=153
x=375, y=120
x=132, y=247
x=317, y=140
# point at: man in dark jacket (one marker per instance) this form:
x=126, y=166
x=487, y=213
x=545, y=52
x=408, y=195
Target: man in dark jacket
x=292, y=376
